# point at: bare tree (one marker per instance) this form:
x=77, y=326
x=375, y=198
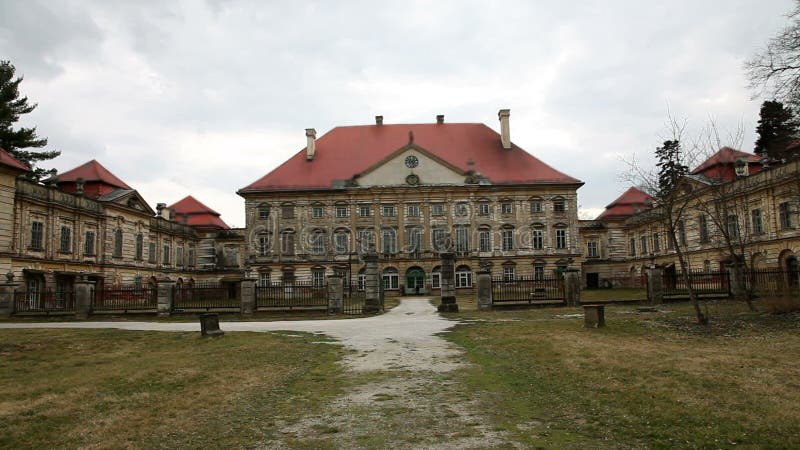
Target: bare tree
x=776, y=69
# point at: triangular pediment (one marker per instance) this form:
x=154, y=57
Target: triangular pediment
x=130, y=199
x=411, y=165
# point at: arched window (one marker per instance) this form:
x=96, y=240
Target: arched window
x=436, y=278
x=317, y=241
x=139, y=247
x=537, y=235
x=118, y=243
x=508, y=237
x=484, y=239
x=509, y=271
x=463, y=277
x=538, y=269
x=391, y=279
x=341, y=241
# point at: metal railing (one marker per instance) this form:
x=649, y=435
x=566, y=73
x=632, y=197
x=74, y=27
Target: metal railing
x=714, y=283
x=206, y=296
x=771, y=282
x=125, y=298
x=292, y=294
x=529, y=290
x=44, y=302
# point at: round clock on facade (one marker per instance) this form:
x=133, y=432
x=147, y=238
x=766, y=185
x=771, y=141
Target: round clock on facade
x=411, y=161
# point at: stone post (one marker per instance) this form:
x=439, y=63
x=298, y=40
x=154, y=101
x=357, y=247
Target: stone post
x=166, y=292
x=448, y=283
x=7, y=289
x=84, y=292
x=655, y=285
x=484, y=291
x=735, y=286
x=594, y=316
x=248, y=295
x=372, y=290
x=572, y=287
x=335, y=294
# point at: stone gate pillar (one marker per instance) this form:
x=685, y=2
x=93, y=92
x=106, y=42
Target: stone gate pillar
x=84, y=292
x=572, y=287
x=335, y=294
x=655, y=284
x=735, y=281
x=372, y=290
x=448, y=283
x=484, y=291
x=248, y=295
x=166, y=293
x=7, y=288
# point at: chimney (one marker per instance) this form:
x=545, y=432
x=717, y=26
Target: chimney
x=378, y=120
x=440, y=118
x=162, y=211
x=505, y=132
x=311, y=143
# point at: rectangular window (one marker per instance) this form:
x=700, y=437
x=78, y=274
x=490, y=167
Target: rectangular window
x=656, y=243
x=508, y=239
x=391, y=281
x=342, y=211
x=342, y=243
x=389, y=211
x=670, y=244
x=66, y=241
x=389, y=241
x=591, y=250
x=506, y=208
x=436, y=280
x=366, y=239
x=462, y=209
x=702, y=224
x=118, y=243
x=362, y=282
x=733, y=226
x=561, y=238
x=538, y=239
x=509, y=273
x=179, y=256
x=559, y=205
x=287, y=244
x=364, y=210
x=756, y=222
x=536, y=206
x=318, y=244
x=139, y=247
x=484, y=240
x=412, y=211
x=681, y=233
x=414, y=236
x=264, y=279
x=463, y=279
x=37, y=233
x=437, y=236
x=166, y=254
x=484, y=209
x=287, y=211
x=784, y=216
x=437, y=209
x=318, y=277
x=632, y=248
x=462, y=239
x=151, y=253
x=191, y=257
x=317, y=212
x=538, y=272
x=263, y=212
x=88, y=244
x=263, y=244
x=643, y=244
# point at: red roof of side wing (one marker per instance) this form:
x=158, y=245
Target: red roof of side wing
x=92, y=171
x=713, y=167
x=347, y=151
x=197, y=214
x=7, y=160
x=632, y=201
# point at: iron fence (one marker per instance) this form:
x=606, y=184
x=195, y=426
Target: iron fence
x=714, y=283
x=206, y=296
x=125, y=298
x=292, y=294
x=529, y=290
x=44, y=302
x=354, y=304
x=771, y=282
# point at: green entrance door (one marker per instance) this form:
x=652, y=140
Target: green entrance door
x=415, y=280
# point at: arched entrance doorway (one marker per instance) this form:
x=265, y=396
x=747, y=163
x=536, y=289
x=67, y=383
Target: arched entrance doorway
x=792, y=268
x=415, y=281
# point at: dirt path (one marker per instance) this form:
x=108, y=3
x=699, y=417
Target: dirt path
x=406, y=393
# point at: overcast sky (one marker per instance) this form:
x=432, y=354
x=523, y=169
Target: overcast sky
x=205, y=97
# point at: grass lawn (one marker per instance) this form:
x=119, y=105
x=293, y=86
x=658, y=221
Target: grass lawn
x=646, y=380
x=125, y=389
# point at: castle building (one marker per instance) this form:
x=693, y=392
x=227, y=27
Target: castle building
x=412, y=191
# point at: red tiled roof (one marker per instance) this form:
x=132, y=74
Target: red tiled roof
x=7, y=160
x=92, y=171
x=197, y=214
x=725, y=155
x=347, y=151
x=629, y=203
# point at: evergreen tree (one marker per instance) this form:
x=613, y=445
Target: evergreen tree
x=776, y=129
x=16, y=141
x=670, y=166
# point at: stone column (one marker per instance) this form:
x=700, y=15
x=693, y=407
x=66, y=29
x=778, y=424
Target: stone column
x=84, y=292
x=372, y=290
x=7, y=289
x=655, y=285
x=248, y=295
x=166, y=292
x=448, y=283
x=735, y=284
x=572, y=287
x=335, y=294
x=484, y=291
